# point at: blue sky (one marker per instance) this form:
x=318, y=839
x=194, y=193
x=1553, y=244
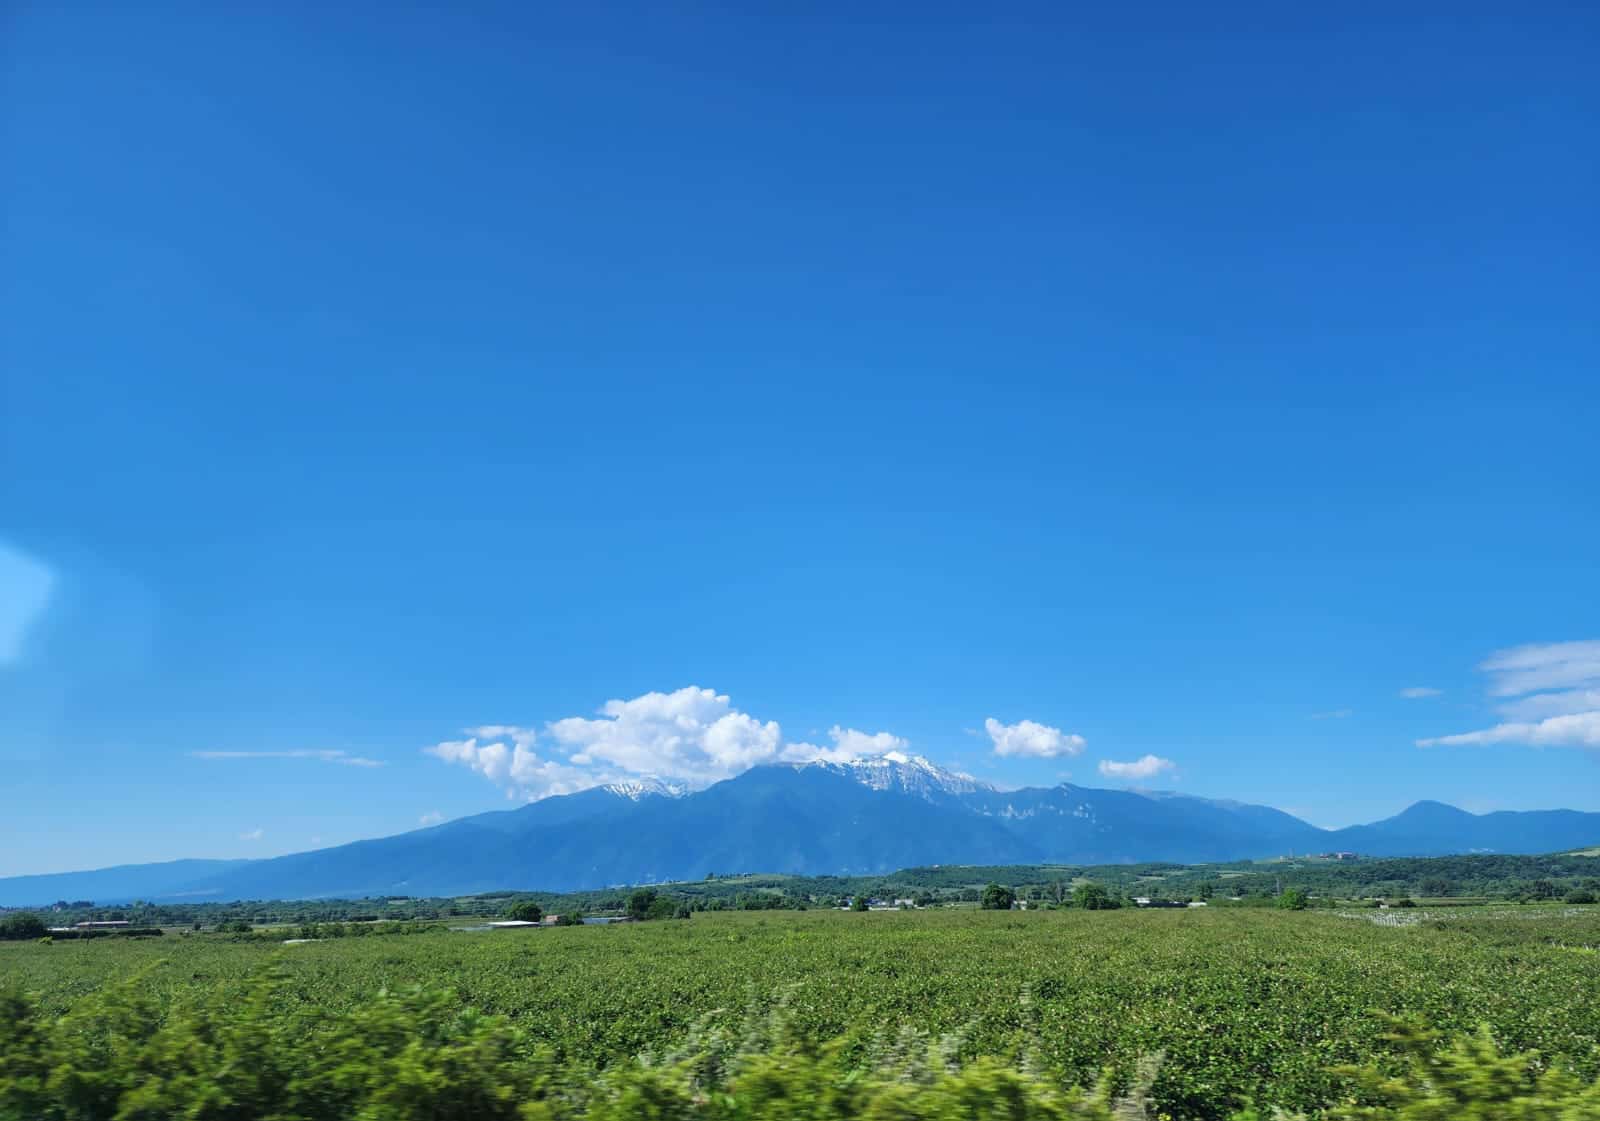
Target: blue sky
x=1186, y=381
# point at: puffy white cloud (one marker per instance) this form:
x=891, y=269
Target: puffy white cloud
x=343, y=758
x=1418, y=692
x=848, y=744
x=691, y=736
x=1029, y=738
x=517, y=768
x=1147, y=766
x=1550, y=698
x=1576, y=729
x=432, y=817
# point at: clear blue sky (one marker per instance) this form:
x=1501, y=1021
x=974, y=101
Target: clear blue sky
x=1190, y=379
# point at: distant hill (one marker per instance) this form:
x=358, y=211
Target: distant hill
x=862, y=817
x=169, y=881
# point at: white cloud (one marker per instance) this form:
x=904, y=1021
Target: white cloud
x=1551, y=697
x=1418, y=692
x=25, y=589
x=1028, y=738
x=1542, y=705
x=1147, y=766
x=518, y=769
x=432, y=817
x=1541, y=666
x=1334, y=714
x=344, y=758
x=694, y=736
x=1577, y=729
x=848, y=744
x=254, y=835
x=513, y=732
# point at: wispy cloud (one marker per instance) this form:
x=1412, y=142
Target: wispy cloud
x=1029, y=738
x=1147, y=766
x=432, y=817
x=1578, y=729
x=1333, y=714
x=1550, y=698
x=253, y=835
x=1419, y=692
x=25, y=589
x=343, y=758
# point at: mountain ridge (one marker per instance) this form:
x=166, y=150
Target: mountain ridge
x=826, y=817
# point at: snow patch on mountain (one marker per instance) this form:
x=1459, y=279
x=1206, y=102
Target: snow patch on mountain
x=635, y=789
x=906, y=774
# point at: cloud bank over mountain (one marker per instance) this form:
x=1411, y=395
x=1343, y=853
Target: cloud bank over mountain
x=692, y=735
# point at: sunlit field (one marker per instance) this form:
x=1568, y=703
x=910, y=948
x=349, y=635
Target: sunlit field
x=1242, y=1007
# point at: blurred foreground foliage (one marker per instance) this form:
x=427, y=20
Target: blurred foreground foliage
x=419, y=1055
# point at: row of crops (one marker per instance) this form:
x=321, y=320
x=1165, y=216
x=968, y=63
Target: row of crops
x=1222, y=1011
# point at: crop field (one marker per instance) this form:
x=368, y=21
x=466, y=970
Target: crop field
x=1241, y=1006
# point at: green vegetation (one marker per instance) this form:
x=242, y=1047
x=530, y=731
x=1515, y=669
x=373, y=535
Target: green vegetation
x=940, y=1013
x=525, y=911
x=1466, y=880
x=997, y=898
x=21, y=926
x=1094, y=897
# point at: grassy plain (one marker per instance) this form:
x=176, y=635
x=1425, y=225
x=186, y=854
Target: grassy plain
x=1245, y=1005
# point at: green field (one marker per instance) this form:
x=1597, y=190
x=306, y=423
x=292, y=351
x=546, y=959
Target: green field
x=1245, y=1006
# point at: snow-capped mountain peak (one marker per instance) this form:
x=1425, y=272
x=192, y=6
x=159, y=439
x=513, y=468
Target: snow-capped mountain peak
x=634, y=789
x=907, y=774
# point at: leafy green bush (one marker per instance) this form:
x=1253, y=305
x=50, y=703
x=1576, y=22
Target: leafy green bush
x=418, y=1056
x=997, y=898
x=525, y=911
x=1094, y=897
x=1466, y=1080
x=21, y=927
x=421, y=1056
x=1294, y=899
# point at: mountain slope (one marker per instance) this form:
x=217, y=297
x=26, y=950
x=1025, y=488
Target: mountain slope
x=167, y=880
x=852, y=817
x=1435, y=829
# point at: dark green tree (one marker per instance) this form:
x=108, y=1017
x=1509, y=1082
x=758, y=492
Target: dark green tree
x=526, y=911
x=1293, y=899
x=21, y=927
x=997, y=898
x=1094, y=897
x=640, y=904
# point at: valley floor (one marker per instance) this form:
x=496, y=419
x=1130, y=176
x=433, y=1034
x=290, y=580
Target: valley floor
x=1244, y=1006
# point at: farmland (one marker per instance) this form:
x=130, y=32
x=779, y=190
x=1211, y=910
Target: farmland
x=1244, y=1006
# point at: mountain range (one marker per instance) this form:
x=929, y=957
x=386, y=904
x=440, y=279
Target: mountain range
x=858, y=817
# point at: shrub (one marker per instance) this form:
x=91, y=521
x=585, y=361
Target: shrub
x=22, y=927
x=525, y=911
x=420, y=1056
x=997, y=898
